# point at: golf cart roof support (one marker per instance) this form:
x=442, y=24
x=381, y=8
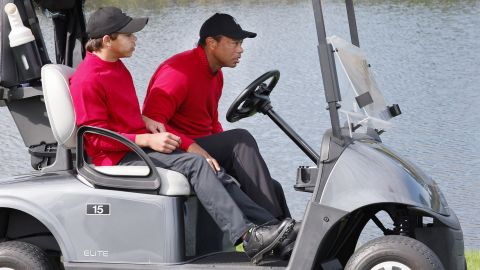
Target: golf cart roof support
x=352, y=23
x=327, y=65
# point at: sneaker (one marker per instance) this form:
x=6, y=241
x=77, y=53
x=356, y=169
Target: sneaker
x=261, y=240
x=285, y=248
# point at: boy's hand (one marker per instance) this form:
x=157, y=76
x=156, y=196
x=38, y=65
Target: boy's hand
x=163, y=142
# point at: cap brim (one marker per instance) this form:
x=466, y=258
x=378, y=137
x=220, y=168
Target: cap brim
x=134, y=26
x=249, y=34
x=241, y=35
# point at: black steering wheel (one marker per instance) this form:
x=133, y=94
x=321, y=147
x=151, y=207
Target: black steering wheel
x=254, y=98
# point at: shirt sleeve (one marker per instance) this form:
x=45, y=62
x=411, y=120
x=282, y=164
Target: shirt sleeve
x=92, y=110
x=186, y=141
x=216, y=125
x=165, y=94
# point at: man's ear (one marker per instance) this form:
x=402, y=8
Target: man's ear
x=211, y=43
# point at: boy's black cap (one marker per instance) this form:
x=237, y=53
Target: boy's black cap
x=225, y=25
x=109, y=20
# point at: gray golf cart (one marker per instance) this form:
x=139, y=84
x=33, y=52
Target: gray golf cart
x=70, y=214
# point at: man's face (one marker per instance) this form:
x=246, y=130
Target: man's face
x=228, y=51
x=123, y=45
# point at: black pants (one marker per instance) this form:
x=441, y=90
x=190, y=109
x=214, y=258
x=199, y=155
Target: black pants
x=232, y=210
x=237, y=151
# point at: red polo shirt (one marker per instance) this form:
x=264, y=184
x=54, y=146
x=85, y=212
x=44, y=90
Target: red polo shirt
x=104, y=96
x=183, y=94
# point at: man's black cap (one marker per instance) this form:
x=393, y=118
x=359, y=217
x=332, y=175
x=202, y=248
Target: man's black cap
x=109, y=20
x=225, y=25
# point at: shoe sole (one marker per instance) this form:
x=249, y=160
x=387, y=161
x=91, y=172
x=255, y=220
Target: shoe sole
x=281, y=236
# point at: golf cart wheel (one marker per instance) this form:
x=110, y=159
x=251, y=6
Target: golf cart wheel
x=394, y=252
x=22, y=256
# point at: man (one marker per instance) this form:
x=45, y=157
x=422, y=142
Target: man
x=183, y=96
x=104, y=96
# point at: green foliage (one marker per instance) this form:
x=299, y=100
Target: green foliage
x=473, y=260
x=157, y=5
x=147, y=6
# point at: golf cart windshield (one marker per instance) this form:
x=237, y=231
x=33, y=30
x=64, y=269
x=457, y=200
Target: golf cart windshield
x=362, y=101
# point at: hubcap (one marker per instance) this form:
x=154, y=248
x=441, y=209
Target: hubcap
x=391, y=266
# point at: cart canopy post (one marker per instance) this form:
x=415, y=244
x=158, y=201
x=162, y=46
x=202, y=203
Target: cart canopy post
x=327, y=65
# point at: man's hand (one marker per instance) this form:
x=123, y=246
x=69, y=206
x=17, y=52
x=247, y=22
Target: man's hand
x=197, y=149
x=152, y=125
x=164, y=142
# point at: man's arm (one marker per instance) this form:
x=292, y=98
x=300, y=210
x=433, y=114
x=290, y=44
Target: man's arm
x=192, y=148
x=197, y=149
x=151, y=110
x=216, y=125
x=165, y=94
x=153, y=126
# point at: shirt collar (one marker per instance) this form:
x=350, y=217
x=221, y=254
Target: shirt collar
x=204, y=61
x=97, y=59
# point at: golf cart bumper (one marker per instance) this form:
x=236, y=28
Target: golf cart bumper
x=450, y=246
x=314, y=248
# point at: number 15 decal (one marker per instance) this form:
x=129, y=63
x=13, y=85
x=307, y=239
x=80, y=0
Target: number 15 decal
x=98, y=209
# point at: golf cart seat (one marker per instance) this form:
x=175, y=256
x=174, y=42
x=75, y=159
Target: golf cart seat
x=61, y=115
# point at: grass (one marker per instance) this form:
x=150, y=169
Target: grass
x=473, y=260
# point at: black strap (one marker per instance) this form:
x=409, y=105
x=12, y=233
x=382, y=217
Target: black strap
x=37, y=33
x=42, y=155
x=69, y=26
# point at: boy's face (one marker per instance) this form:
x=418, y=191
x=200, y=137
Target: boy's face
x=123, y=45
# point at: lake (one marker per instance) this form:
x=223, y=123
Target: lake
x=424, y=54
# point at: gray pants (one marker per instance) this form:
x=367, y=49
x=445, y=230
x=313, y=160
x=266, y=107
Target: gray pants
x=237, y=151
x=230, y=208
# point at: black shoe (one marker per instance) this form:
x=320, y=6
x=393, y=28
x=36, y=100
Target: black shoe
x=260, y=240
x=285, y=248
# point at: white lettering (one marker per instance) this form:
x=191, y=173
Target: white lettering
x=95, y=253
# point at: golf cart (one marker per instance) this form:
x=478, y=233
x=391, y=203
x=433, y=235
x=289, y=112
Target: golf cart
x=70, y=214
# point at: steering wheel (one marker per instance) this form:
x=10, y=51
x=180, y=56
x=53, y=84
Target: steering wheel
x=254, y=98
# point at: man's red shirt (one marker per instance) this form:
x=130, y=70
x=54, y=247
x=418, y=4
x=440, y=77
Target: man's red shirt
x=183, y=94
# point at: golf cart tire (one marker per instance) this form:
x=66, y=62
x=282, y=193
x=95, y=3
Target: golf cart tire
x=394, y=248
x=23, y=256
